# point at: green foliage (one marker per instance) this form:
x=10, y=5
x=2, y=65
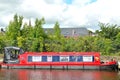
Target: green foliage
x=38, y=30
x=108, y=31
x=38, y=35
x=55, y=41
x=34, y=38
x=27, y=31
x=57, y=31
x=117, y=43
x=37, y=44
x=2, y=42
x=13, y=30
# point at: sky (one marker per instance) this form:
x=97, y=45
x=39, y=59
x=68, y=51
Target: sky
x=69, y=13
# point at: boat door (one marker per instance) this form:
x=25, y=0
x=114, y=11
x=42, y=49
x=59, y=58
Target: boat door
x=11, y=54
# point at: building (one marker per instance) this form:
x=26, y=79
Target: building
x=70, y=32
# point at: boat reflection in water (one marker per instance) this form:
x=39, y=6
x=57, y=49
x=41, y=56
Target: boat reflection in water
x=30, y=74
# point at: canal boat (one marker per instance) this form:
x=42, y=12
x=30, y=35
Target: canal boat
x=15, y=57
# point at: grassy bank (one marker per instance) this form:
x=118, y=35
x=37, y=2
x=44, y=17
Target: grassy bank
x=108, y=58
x=115, y=56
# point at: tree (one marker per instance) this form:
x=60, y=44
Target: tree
x=14, y=29
x=117, y=43
x=58, y=39
x=39, y=36
x=38, y=29
x=26, y=38
x=2, y=42
x=108, y=31
x=102, y=45
x=57, y=31
x=27, y=31
x=37, y=44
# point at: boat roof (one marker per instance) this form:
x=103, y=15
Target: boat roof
x=63, y=53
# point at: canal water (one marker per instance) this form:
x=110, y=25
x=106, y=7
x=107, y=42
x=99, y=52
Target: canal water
x=30, y=74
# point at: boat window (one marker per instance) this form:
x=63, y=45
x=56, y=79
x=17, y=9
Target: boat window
x=79, y=59
x=72, y=58
x=49, y=58
x=88, y=59
x=29, y=58
x=64, y=58
x=55, y=59
x=36, y=58
x=76, y=59
x=44, y=58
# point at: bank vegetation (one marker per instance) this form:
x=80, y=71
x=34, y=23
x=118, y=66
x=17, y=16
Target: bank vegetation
x=34, y=38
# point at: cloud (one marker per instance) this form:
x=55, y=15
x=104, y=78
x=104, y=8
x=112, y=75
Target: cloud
x=75, y=13
x=7, y=9
x=7, y=6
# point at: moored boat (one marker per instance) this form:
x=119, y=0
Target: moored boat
x=15, y=57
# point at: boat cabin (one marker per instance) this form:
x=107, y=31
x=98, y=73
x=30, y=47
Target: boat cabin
x=60, y=58
x=17, y=55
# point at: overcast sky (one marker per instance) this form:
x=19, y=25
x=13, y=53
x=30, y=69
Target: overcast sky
x=69, y=13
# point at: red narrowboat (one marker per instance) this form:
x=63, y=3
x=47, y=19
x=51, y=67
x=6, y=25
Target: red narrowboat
x=15, y=57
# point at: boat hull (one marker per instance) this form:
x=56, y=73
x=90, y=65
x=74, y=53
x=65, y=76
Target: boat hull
x=61, y=67
x=14, y=57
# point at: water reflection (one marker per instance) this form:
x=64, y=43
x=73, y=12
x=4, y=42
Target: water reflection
x=29, y=74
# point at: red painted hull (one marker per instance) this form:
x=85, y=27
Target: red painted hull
x=61, y=60
x=60, y=66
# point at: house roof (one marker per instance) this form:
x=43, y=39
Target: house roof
x=79, y=31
